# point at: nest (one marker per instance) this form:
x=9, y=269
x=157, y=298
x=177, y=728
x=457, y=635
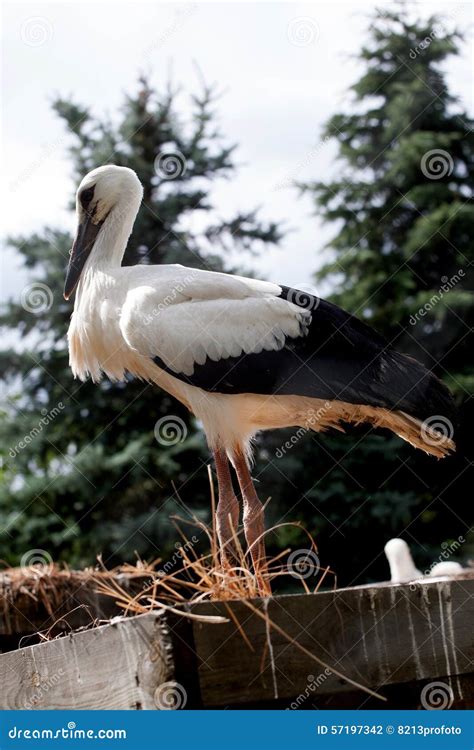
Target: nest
x=53, y=595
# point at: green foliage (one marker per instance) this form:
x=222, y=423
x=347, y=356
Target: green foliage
x=97, y=480
x=92, y=477
x=402, y=258
x=406, y=197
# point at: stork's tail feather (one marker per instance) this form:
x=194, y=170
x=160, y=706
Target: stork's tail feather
x=435, y=439
x=414, y=404
x=424, y=407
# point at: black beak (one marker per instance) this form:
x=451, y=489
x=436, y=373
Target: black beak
x=87, y=232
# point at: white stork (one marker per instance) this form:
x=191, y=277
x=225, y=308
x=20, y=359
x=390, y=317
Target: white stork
x=243, y=355
x=402, y=567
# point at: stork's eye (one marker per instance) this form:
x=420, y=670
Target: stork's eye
x=86, y=196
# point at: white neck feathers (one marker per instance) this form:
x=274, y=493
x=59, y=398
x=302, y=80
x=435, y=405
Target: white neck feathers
x=111, y=242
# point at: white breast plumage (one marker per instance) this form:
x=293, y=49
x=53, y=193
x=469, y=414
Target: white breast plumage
x=96, y=344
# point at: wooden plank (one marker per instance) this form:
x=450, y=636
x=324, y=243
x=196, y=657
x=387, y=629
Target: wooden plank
x=116, y=666
x=382, y=636
x=376, y=635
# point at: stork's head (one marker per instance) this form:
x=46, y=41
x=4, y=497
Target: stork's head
x=108, y=196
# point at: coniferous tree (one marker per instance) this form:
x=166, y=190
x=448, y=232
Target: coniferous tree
x=402, y=259
x=83, y=471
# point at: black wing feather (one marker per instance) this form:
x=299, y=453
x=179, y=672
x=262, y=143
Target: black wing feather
x=339, y=358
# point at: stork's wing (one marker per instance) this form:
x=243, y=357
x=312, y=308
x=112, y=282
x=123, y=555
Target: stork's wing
x=274, y=340
x=212, y=318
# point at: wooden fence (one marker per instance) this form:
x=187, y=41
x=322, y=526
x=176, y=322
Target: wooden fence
x=400, y=641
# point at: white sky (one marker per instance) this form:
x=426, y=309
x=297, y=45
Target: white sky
x=277, y=96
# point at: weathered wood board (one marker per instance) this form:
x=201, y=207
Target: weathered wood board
x=377, y=636
x=116, y=666
x=393, y=639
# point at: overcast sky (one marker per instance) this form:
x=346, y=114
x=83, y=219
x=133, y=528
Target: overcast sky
x=285, y=69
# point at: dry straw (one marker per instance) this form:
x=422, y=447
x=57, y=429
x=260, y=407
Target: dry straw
x=195, y=578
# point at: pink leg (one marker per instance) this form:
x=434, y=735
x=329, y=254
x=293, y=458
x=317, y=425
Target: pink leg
x=253, y=517
x=227, y=512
